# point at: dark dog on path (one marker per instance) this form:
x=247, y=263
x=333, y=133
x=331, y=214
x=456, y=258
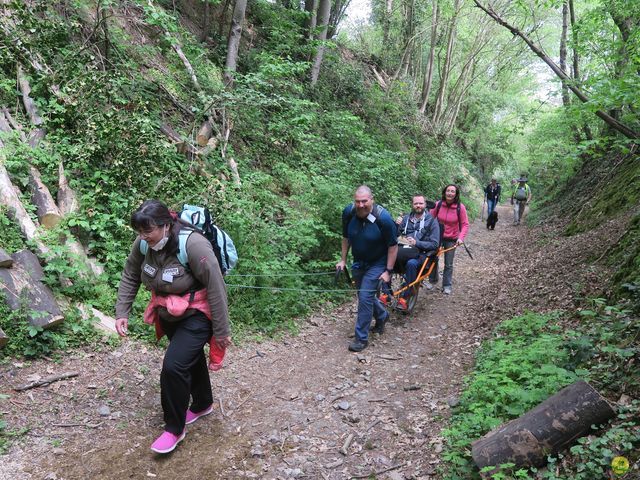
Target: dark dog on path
x=492, y=219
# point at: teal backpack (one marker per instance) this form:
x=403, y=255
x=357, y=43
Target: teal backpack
x=222, y=244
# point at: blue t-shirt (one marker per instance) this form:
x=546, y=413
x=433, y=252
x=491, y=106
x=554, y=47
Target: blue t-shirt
x=370, y=237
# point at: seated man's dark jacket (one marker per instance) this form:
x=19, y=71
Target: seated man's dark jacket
x=427, y=238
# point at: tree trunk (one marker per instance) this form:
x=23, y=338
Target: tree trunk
x=233, y=45
x=439, y=105
x=574, y=46
x=206, y=21
x=608, y=119
x=310, y=6
x=547, y=429
x=386, y=22
x=563, y=53
x=335, y=17
x=324, y=9
x=428, y=77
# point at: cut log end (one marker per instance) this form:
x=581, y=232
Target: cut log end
x=50, y=220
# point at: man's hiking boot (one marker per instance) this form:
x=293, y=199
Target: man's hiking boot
x=358, y=346
x=446, y=290
x=192, y=417
x=429, y=286
x=384, y=299
x=402, y=304
x=379, y=328
x=167, y=442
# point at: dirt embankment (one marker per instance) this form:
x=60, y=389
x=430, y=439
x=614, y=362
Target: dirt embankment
x=301, y=407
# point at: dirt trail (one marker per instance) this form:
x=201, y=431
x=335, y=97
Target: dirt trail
x=290, y=405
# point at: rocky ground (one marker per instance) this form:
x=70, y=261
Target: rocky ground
x=303, y=406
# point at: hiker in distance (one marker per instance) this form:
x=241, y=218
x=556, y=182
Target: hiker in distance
x=189, y=305
x=520, y=198
x=418, y=234
x=451, y=214
x=492, y=195
x=369, y=230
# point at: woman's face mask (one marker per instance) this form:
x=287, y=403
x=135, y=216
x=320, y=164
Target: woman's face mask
x=162, y=242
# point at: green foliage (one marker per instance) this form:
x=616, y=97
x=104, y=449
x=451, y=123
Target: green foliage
x=26, y=340
x=10, y=237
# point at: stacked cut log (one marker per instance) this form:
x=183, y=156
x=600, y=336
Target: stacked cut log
x=21, y=282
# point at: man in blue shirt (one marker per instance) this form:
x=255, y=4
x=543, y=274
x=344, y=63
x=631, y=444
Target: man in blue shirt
x=371, y=233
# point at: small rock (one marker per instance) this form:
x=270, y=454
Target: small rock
x=51, y=476
x=104, y=411
x=58, y=451
x=453, y=401
x=257, y=452
x=624, y=400
x=437, y=448
x=319, y=397
x=353, y=418
x=344, y=405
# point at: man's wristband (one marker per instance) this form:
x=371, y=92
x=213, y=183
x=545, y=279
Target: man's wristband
x=390, y=270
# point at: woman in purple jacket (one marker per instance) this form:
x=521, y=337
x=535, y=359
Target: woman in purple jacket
x=454, y=225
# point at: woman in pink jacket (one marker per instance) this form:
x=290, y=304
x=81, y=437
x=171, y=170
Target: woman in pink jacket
x=454, y=225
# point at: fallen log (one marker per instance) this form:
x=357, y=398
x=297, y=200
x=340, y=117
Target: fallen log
x=104, y=322
x=20, y=288
x=545, y=430
x=5, y=260
x=28, y=261
x=67, y=199
x=15, y=209
x=204, y=134
x=46, y=381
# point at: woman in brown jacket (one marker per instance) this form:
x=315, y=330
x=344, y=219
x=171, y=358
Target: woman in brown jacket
x=188, y=304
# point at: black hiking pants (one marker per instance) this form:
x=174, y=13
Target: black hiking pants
x=184, y=370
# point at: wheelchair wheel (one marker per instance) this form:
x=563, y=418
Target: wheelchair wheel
x=397, y=283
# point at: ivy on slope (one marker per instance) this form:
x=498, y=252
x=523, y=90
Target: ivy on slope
x=300, y=152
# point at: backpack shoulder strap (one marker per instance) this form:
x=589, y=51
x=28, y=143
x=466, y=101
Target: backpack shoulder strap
x=183, y=236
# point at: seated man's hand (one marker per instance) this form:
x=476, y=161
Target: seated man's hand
x=399, y=220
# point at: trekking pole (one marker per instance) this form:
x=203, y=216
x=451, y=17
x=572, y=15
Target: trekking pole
x=467, y=250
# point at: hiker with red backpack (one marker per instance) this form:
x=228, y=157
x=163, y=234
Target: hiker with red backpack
x=188, y=304
x=451, y=214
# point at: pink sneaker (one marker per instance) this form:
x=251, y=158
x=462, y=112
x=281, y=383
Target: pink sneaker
x=166, y=442
x=192, y=417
